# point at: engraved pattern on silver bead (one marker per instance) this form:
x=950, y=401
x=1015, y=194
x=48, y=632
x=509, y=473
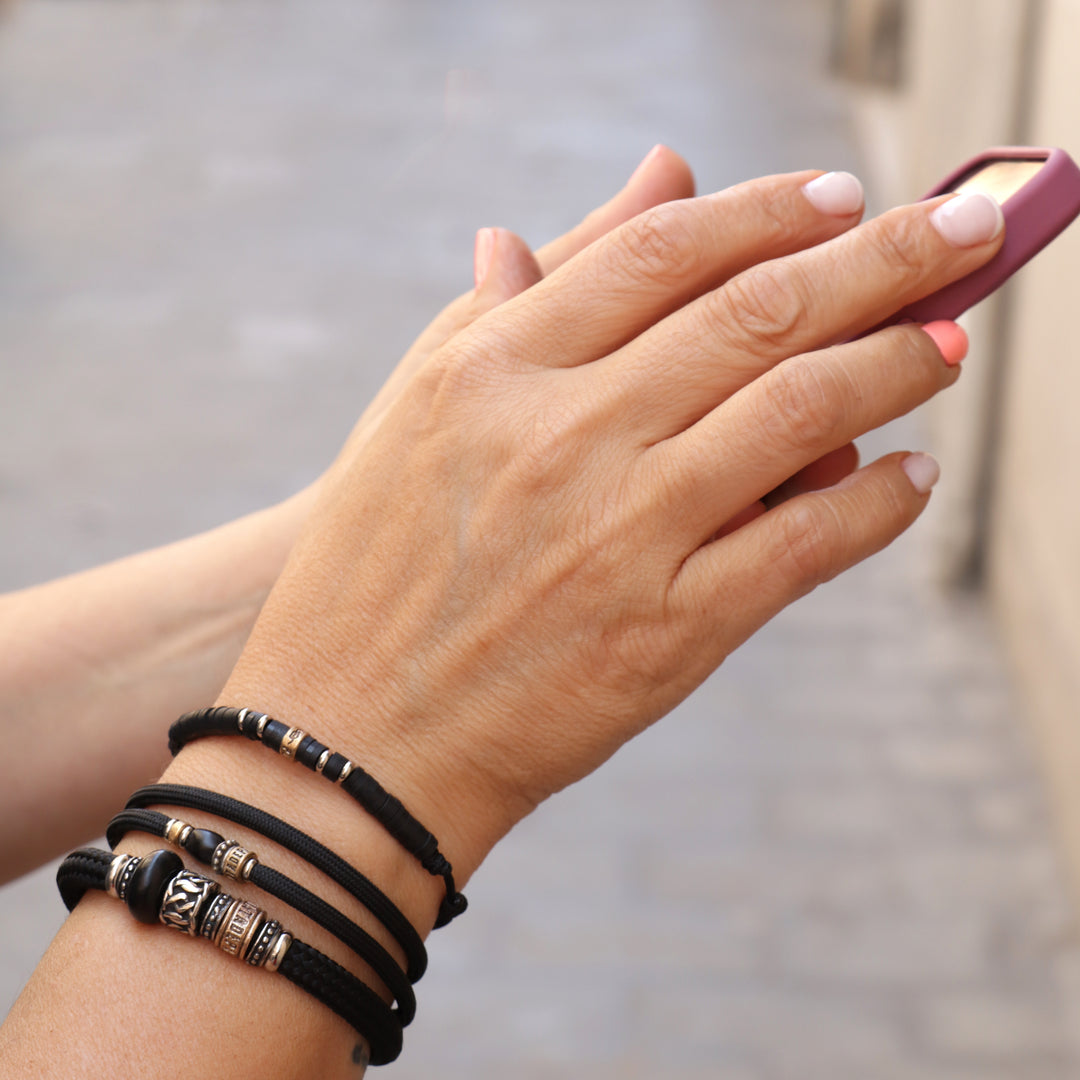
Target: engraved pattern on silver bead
x=290, y=742
x=233, y=861
x=324, y=757
x=346, y=769
x=277, y=951
x=240, y=928
x=184, y=899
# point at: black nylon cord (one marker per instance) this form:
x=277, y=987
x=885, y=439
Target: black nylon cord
x=385, y=808
x=296, y=896
x=309, y=849
x=303, y=965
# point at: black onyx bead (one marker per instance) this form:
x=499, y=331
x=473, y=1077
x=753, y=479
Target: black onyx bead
x=149, y=882
x=201, y=843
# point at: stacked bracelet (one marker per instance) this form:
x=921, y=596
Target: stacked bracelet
x=230, y=859
x=299, y=843
x=158, y=888
x=296, y=745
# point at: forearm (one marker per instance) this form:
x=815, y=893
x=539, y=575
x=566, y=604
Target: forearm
x=181, y=1000
x=107, y=658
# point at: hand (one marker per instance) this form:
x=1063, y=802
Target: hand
x=504, y=267
x=522, y=569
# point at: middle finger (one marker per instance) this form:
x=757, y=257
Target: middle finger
x=701, y=355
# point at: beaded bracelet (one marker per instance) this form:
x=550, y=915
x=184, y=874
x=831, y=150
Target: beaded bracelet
x=295, y=744
x=158, y=888
x=299, y=843
x=232, y=860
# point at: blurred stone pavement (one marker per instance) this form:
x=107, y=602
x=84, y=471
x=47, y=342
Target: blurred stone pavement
x=220, y=225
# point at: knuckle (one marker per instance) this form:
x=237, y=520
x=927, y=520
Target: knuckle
x=766, y=305
x=662, y=244
x=808, y=540
x=801, y=404
x=897, y=242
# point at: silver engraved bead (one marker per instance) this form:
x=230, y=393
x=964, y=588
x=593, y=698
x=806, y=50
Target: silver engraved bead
x=233, y=861
x=239, y=929
x=290, y=743
x=324, y=757
x=184, y=899
x=345, y=772
x=277, y=951
x=116, y=871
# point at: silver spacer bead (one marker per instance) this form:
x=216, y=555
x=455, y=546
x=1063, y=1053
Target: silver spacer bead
x=324, y=757
x=116, y=871
x=345, y=772
x=240, y=720
x=263, y=721
x=184, y=900
x=277, y=952
x=215, y=914
x=290, y=743
x=270, y=930
x=177, y=832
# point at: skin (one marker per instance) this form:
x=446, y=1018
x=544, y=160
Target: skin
x=558, y=529
x=99, y=663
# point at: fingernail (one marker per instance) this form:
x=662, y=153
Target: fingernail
x=950, y=340
x=646, y=161
x=838, y=194
x=968, y=220
x=922, y=470
x=484, y=246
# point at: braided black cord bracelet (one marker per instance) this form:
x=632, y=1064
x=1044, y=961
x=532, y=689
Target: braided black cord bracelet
x=309, y=849
x=296, y=745
x=158, y=888
x=230, y=859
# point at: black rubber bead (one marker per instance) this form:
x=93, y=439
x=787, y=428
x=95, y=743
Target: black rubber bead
x=251, y=725
x=201, y=843
x=334, y=764
x=273, y=733
x=149, y=882
x=309, y=752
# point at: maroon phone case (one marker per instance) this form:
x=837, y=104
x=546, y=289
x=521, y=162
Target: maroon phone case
x=1040, y=210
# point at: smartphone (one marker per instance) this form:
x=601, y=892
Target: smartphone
x=1039, y=193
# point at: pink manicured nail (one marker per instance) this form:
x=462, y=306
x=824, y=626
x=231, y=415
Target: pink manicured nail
x=950, y=340
x=646, y=161
x=968, y=220
x=922, y=470
x=485, y=244
x=838, y=194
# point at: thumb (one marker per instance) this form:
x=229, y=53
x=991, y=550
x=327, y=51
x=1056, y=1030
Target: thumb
x=503, y=267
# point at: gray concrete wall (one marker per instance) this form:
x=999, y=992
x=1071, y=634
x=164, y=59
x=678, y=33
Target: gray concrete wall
x=980, y=73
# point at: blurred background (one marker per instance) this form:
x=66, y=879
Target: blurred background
x=851, y=854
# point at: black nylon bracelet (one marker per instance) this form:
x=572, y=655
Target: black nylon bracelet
x=294, y=744
x=302, y=964
x=284, y=888
x=309, y=849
